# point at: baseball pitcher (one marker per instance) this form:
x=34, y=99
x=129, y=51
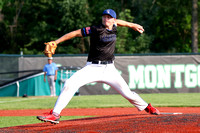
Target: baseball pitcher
x=100, y=65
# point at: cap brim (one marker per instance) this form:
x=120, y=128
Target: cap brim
x=107, y=14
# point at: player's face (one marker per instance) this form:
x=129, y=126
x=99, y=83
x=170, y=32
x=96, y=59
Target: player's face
x=108, y=21
x=49, y=61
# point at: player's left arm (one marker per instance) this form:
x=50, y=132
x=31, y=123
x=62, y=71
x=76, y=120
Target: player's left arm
x=134, y=26
x=76, y=33
x=51, y=46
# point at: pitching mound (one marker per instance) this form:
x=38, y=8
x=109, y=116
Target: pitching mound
x=129, y=122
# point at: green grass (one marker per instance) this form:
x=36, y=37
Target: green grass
x=101, y=101
x=8, y=121
x=91, y=101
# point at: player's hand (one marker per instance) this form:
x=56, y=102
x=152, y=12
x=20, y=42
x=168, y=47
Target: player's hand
x=138, y=28
x=44, y=79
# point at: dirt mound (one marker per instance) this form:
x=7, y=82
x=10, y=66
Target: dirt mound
x=135, y=122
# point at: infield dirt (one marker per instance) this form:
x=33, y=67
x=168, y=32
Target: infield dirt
x=113, y=120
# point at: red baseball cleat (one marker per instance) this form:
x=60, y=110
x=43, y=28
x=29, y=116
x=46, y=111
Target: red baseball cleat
x=49, y=117
x=150, y=109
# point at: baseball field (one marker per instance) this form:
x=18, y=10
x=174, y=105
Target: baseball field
x=103, y=113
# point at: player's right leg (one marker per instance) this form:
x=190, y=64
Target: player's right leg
x=88, y=74
x=50, y=117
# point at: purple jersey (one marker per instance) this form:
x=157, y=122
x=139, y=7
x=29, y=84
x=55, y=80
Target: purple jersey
x=102, y=42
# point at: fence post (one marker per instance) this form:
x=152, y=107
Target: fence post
x=17, y=88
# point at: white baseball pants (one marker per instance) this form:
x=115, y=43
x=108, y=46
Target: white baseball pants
x=97, y=73
x=52, y=85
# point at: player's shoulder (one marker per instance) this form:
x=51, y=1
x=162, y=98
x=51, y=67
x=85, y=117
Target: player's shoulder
x=101, y=27
x=98, y=28
x=92, y=29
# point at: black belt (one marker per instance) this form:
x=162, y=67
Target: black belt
x=102, y=62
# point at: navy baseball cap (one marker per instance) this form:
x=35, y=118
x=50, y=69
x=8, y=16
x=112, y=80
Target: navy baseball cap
x=109, y=12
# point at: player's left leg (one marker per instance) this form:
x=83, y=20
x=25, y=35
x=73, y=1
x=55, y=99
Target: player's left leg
x=115, y=80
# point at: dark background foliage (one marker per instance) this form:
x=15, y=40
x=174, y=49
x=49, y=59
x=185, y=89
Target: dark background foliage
x=26, y=24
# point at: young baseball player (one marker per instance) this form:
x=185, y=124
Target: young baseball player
x=100, y=65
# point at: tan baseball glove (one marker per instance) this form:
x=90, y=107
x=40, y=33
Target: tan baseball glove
x=50, y=48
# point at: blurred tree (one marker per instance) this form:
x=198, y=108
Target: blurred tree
x=26, y=25
x=130, y=41
x=171, y=26
x=74, y=15
x=195, y=26
x=9, y=25
x=40, y=20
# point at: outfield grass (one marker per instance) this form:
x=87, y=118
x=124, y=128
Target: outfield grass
x=91, y=101
x=101, y=101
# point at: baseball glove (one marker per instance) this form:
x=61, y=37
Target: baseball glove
x=50, y=48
